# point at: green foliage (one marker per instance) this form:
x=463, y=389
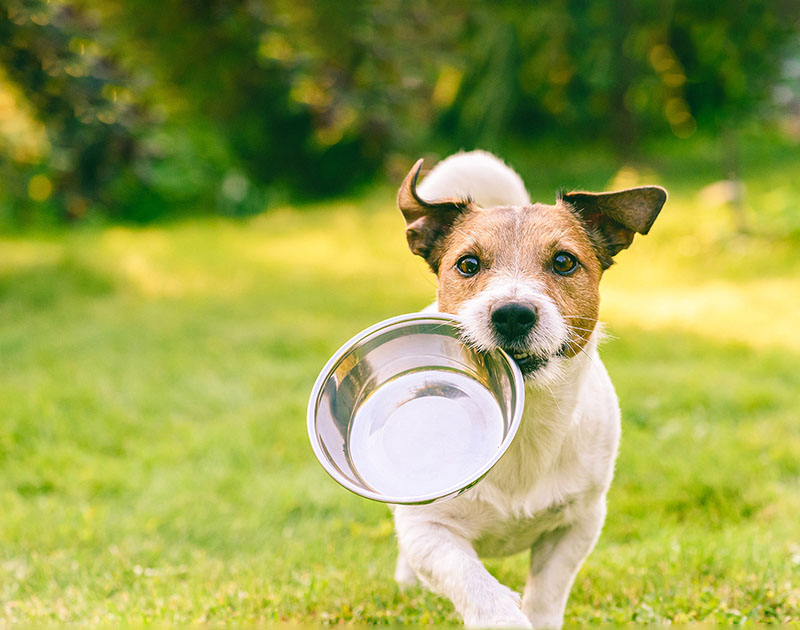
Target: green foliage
x=618, y=70
x=215, y=102
x=73, y=88
x=138, y=109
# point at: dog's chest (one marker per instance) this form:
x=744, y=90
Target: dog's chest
x=506, y=537
x=507, y=520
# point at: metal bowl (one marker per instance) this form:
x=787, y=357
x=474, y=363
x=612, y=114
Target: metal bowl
x=406, y=413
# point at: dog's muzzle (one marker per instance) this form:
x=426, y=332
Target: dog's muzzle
x=512, y=323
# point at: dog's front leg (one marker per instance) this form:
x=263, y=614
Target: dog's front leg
x=449, y=566
x=555, y=560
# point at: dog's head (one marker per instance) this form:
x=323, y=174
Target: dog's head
x=526, y=278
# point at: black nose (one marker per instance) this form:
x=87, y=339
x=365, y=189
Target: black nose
x=513, y=320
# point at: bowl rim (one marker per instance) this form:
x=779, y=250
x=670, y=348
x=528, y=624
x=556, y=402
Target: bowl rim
x=447, y=493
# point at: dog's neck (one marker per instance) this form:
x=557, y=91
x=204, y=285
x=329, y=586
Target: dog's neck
x=550, y=413
x=557, y=393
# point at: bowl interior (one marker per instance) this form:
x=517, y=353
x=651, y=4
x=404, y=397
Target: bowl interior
x=406, y=413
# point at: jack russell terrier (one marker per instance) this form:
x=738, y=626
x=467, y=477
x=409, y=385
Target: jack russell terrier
x=524, y=277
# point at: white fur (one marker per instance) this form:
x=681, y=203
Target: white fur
x=547, y=493
x=479, y=175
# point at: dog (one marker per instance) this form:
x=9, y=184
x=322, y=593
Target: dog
x=524, y=277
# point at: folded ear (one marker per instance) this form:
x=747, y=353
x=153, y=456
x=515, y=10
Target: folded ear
x=613, y=218
x=427, y=222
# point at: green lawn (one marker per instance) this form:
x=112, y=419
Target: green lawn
x=154, y=465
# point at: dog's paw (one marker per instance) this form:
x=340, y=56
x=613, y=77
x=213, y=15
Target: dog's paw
x=506, y=619
x=500, y=611
x=545, y=622
x=543, y=618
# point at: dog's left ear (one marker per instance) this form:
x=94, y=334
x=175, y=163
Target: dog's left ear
x=612, y=218
x=427, y=222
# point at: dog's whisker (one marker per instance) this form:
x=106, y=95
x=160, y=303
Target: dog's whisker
x=603, y=333
x=555, y=398
x=579, y=328
x=574, y=345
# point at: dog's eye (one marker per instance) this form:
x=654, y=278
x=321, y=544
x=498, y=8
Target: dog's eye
x=468, y=266
x=565, y=264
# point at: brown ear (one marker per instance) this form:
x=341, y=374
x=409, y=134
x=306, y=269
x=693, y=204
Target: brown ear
x=613, y=218
x=427, y=223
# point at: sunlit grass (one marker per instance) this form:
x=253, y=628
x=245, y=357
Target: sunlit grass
x=694, y=273
x=154, y=466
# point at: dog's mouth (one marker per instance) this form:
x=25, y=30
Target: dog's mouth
x=527, y=362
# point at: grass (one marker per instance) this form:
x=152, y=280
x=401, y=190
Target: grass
x=154, y=466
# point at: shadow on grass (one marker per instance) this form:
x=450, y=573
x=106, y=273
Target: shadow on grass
x=43, y=285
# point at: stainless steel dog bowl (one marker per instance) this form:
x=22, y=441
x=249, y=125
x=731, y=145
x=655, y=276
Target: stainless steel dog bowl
x=406, y=413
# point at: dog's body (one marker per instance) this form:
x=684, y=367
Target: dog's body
x=523, y=277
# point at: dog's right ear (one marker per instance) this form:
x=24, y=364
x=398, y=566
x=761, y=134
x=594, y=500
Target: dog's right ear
x=427, y=223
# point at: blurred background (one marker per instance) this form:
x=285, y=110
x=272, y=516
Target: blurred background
x=197, y=207
x=139, y=110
